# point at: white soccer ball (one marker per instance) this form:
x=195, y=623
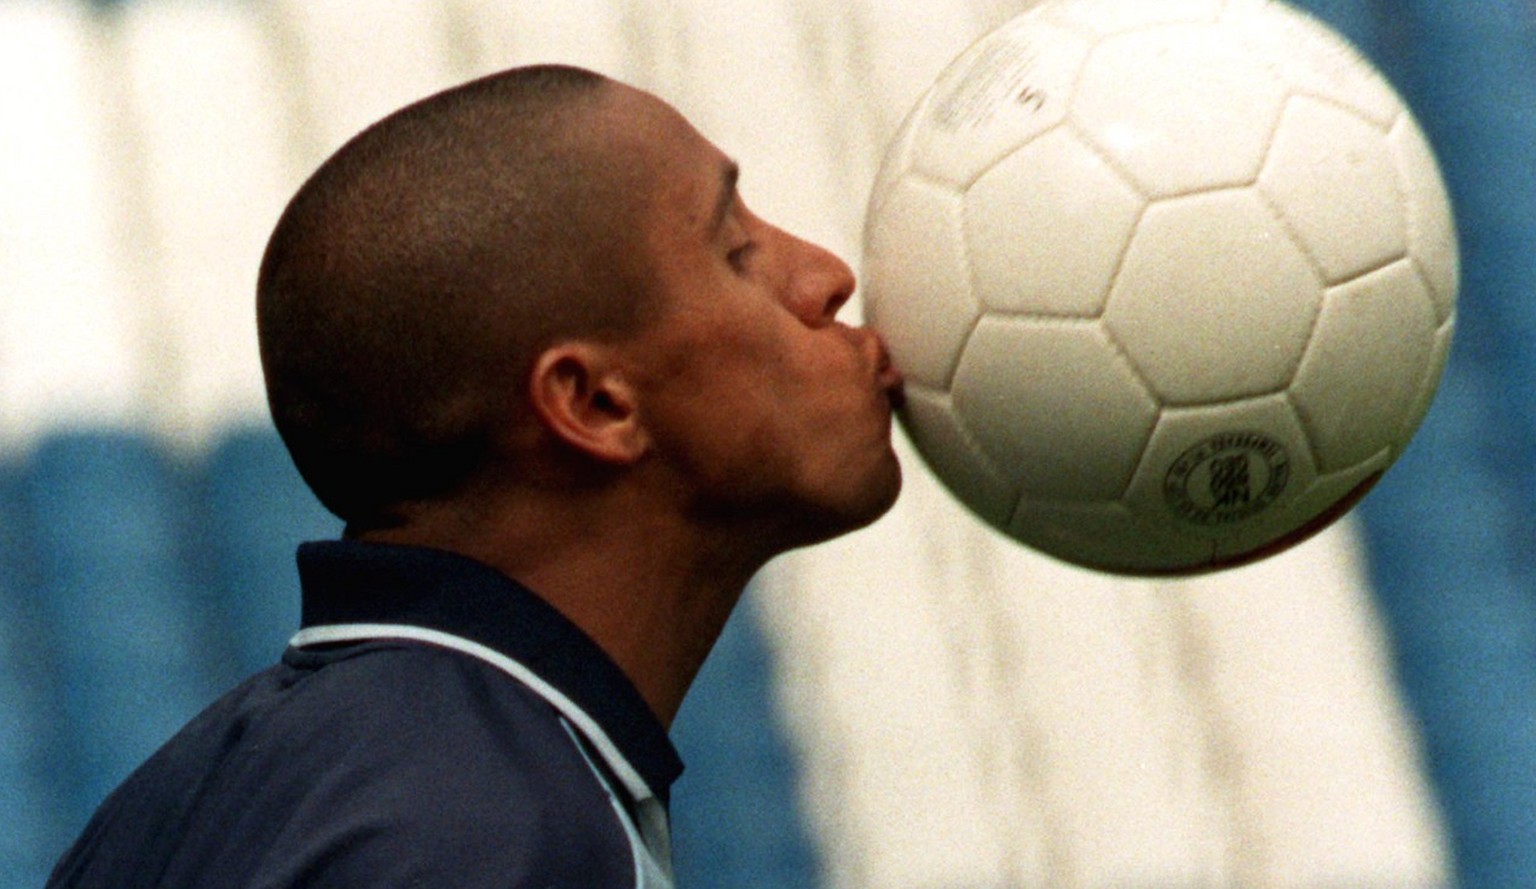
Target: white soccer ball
x=1172, y=281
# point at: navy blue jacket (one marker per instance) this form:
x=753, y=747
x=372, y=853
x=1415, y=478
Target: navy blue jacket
x=433, y=724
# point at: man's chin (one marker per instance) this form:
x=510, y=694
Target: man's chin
x=889, y=490
x=860, y=509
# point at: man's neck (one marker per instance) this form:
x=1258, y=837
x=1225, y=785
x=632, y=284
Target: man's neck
x=653, y=593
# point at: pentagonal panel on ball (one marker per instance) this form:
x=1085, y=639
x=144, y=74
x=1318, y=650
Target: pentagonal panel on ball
x=1360, y=379
x=917, y=291
x=1331, y=175
x=1179, y=108
x=1054, y=406
x=1006, y=89
x=1214, y=300
x=1046, y=228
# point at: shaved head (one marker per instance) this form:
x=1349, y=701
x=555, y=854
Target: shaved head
x=415, y=277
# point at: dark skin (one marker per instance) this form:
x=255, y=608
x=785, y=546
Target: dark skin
x=670, y=465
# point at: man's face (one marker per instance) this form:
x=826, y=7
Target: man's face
x=773, y=414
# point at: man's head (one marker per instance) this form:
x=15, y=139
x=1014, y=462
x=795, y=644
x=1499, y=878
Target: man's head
x=545, y=268
x=414, y=274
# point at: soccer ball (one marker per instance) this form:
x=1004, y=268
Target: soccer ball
x=1172, y=281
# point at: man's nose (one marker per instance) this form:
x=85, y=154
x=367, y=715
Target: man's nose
x=820, y=285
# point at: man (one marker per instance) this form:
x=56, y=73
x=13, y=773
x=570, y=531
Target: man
x=568, y=394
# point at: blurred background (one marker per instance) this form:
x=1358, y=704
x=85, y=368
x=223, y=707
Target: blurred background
x=920, y=705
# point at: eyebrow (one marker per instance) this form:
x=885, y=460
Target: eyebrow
x=730, y=172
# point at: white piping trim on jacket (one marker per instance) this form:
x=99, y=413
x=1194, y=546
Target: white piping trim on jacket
x=616, y=760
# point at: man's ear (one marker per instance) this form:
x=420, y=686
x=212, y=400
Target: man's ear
x=584, y=400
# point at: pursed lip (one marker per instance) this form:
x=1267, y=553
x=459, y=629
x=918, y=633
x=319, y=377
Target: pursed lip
x=887, y=375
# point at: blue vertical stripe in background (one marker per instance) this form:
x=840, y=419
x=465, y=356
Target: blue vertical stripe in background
x=123, y=618
x=134, y=587
x=30, y=818
x=252, y=509
x=736, y=821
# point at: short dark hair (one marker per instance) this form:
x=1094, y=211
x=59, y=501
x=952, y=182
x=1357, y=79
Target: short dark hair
x=422, y=266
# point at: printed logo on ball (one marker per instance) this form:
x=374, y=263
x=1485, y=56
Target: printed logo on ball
x=1001, y=78
x=1227, y=478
